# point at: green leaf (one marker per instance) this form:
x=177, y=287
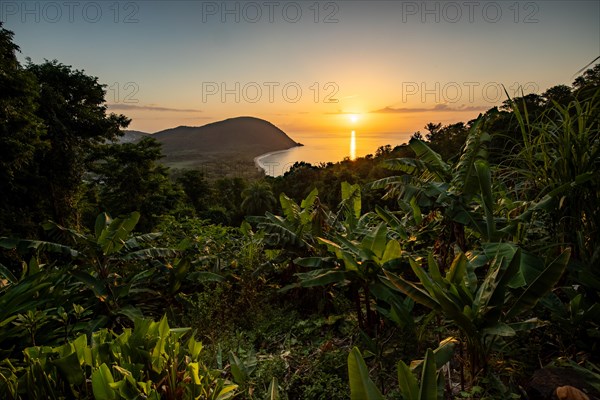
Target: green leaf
x=351, y=193
x=485, y=184
x=227, y=392
x=434, y=270
x=541, y=285
x=101, y=380
x=38, y=245
x=425, y=280
x=500, y=329
x=408, y=288
x=361, y=385
x=407, y=382
x=429, y=388
x=321, y=277
x=194, y=370
x=376, y=240
x=69, y=369
x=464, y=177
x=194, y=348
x=392, y=221
x=273, y=393
x=311, y=262
x=309, y=201
x=102, y=221
x=457, y=270
x=159, y=348
x=237, y=369
x=532, y=323
x=416, y=210
x=392, y=251
x=93, y=283
x=112, y=237
x=433, y=160
x=205, y=276
x=131, y=312
x=443, y=354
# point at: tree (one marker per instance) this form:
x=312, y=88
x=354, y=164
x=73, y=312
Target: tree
x=129, y=178
x=258, y=198
x=228, y=194
x=561, y=94
x=383, y=150
x=433, y=130
x=587, y=83
x=71, y=104
x=417, y=135
x=196, y=188
x=20, y=132
x=446, y=140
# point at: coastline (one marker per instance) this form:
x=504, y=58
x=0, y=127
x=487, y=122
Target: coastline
x=258, y=159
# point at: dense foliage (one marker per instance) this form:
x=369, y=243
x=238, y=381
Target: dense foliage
x=464, y=264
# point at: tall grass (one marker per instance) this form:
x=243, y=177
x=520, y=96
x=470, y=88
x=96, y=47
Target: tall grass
x=559, y=157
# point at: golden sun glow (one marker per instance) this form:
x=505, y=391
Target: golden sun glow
x=353, y=118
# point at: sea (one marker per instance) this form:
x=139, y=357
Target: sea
x=327, y=147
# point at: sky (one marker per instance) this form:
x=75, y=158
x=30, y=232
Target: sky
x=310, y=66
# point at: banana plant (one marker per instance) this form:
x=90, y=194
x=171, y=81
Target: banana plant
x=444, y=199
x=105, y=259
x=111, y=262
x=357, y=251
x=430, y=387
x=296, y=230
x=488, y=310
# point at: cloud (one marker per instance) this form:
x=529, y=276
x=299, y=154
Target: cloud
x=127, y=107
x=436, y=108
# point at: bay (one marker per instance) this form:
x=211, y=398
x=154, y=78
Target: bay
x=327, y=147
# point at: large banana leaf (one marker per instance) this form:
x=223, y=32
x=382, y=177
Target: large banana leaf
x=433, y=160
x=321, y=277
x=361, y=385
x=411, y=290
x=113, y=236
x=485, y=184
x=291, y=210
x=351, y=198
x=464, y=177
x=540, y=286
x=392, y=221
x=22, y=245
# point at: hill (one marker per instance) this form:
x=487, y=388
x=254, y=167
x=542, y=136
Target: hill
x=242, y=136
x=220, y=148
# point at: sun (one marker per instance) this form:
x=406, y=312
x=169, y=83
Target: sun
x=353, y=118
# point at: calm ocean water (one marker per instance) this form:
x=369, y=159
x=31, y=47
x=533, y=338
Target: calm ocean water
x=328, y=147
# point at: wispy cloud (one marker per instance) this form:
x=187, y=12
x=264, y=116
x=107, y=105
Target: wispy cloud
x=436, y=108
x=127, y=107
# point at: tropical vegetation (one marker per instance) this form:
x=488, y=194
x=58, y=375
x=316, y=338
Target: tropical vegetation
x=463, y=264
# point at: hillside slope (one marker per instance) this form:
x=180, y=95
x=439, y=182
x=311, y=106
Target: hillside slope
x=245, y=137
